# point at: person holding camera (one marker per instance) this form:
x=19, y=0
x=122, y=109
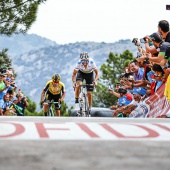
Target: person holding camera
x=163, y=29
x=124, y=100
x=22, y=103
x=163, y=58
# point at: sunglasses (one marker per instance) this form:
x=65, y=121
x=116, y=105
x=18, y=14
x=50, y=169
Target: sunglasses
x=84, y=61
x=56, y=82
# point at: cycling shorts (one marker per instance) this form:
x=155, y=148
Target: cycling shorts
x=89, y=77
x=49, y=96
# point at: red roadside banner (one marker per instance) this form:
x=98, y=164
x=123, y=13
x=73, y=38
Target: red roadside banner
x=158, y=103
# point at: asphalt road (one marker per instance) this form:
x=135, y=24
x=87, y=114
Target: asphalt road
x=80, y=154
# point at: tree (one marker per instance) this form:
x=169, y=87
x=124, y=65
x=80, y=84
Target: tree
x=31, y=109
x=17, y=16
x=4, y=58
x=111, y=71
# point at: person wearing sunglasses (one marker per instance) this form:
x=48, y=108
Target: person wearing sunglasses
x=54, y=90
x=85, y=69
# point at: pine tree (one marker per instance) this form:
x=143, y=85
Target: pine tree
x=5, y=60
x=111, y=71
x=17, y=16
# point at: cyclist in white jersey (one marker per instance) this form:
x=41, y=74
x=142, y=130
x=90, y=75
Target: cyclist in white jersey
x=85, y=69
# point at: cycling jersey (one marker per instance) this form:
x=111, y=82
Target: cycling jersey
x=90, y=67
x=55, y=90
x=167, y=39
x=165, y=51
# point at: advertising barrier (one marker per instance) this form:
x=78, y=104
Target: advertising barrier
x=158, y=104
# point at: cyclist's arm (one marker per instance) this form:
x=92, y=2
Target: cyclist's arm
x=96, y=75
x=42, y=95
x=44, y=91
x=74, y=75
x=63, y=93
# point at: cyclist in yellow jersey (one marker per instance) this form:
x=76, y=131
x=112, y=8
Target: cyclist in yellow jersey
x=54, y=90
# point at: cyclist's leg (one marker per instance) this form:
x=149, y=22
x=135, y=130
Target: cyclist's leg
x=89, y=96
x=79, y=79
x=57, y=106
x=45, y=104
x=89, y=80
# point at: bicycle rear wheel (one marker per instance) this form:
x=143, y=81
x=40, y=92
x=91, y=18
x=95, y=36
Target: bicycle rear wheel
x=86, y=106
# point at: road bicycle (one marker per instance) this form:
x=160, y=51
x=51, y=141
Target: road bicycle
x=83, y=101
x=50, y=111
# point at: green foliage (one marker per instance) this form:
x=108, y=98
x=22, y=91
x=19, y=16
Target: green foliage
x=64, y=109
x=17, y=16
x=115, y=65
x=111, y=71
x=5, y=60
x=31, y=109
x=102, y=97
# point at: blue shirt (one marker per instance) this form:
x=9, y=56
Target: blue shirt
x=123, y=101
x=2, y=93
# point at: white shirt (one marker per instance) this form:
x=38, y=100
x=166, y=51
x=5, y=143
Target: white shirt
x=90, y=66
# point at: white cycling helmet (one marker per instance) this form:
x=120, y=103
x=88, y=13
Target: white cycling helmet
x=84, y=56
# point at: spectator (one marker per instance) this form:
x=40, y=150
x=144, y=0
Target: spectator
x=124, y=100
x=21, y=102
x=6, y=105
x=126, y=110
x=13, y=84
x=3, y=89
x=163, y=29
x=140, y=109
x=164, y=50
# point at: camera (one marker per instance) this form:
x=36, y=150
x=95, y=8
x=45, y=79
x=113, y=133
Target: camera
x=23, y=98
x=143, y=40
x=2, y=70
x=109, y=89
x=138, y=55
x=135, y=40
x=118, y=85
x=146, y=61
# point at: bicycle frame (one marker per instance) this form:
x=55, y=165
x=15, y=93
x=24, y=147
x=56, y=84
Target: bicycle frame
x=50, y=112
x=83, y=101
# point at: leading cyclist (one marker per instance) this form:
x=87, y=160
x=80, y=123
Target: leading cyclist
x=85, y=69
x=54, y=90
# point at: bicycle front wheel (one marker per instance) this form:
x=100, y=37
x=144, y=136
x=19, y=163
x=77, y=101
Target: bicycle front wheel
x=50, y=112
x=86, y=106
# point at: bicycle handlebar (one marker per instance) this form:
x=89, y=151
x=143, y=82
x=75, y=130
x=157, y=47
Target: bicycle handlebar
x=86, y=85
x=52, y=102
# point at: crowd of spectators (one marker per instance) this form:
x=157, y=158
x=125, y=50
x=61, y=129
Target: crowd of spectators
x=12, y=100
x=145, y=74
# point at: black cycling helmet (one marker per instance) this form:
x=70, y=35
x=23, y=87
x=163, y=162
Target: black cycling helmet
x=56, y=77
x=84, y=56
x=121, y=90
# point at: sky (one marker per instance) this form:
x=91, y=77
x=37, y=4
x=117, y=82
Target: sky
x=70, y=21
